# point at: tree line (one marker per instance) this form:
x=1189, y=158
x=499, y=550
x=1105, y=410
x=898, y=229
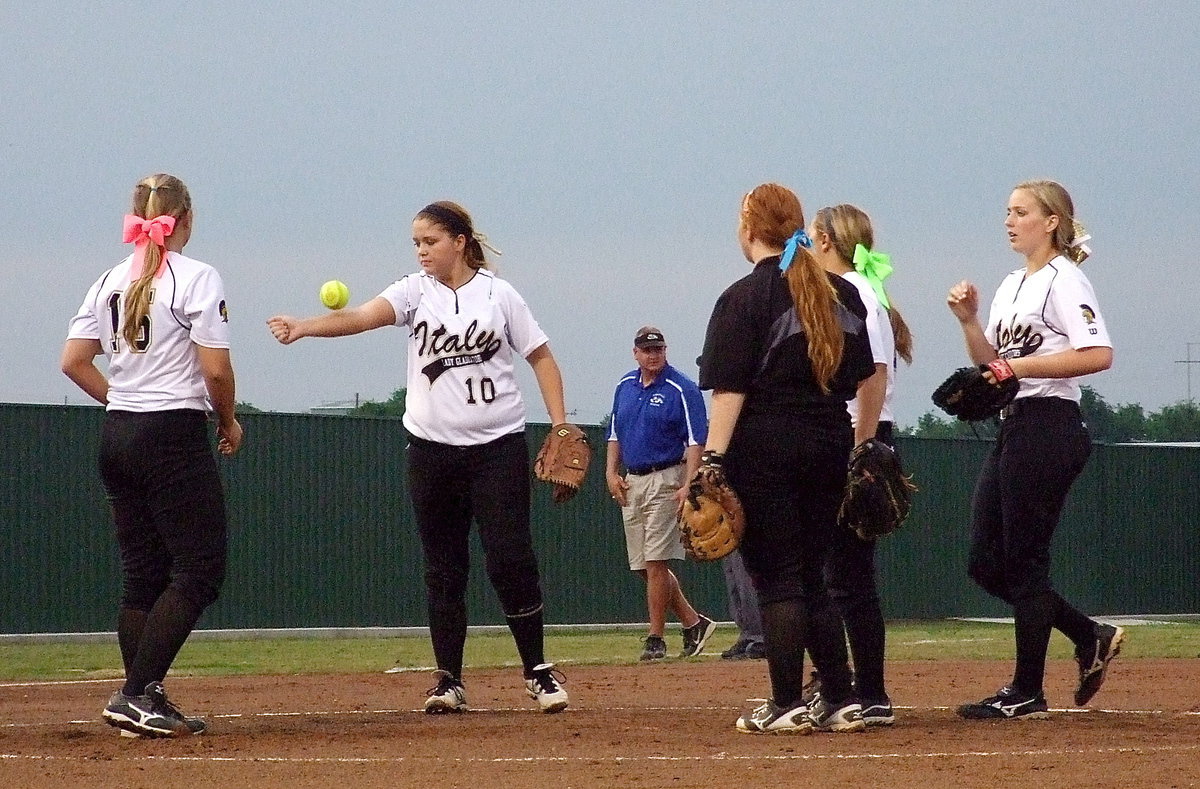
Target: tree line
x=393, y=406
x=1106, y=423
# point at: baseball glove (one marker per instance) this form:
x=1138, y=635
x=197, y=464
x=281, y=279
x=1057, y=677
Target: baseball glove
x=563, y=460
x=968, y=395
x=711, y=522
x=878, y=495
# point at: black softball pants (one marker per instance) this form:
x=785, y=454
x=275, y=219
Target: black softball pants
x=490, y=483
x=168, y=505
x=169, y=509
x=851, y=579
x=1040, y=451
x=790, y=482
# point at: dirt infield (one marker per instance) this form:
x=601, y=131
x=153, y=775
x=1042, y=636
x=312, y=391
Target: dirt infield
x=645, y=726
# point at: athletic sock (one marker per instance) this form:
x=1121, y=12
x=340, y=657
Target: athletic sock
x=528, y=630
x=827, y=646
x=1073, y=624
x=129, y=634
x=783, y=632
x=789, y=627
x=1033, y=617
x=167, y=627
x=448, y=633
x=865, y=632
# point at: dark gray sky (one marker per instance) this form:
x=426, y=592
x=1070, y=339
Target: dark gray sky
x=604, y=148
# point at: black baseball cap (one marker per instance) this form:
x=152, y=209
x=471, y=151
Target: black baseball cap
x=649, y=337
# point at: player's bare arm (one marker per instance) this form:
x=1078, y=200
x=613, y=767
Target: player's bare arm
x=78, y=364
x=726, y=408
x=963, y=301
x=217, y=369
x=341, y=323
x=871, y=394
x=1064, y=364
x=550, y=382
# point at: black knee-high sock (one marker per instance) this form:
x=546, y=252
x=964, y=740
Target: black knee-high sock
x=784, y=625
x=1034, y=617
x=827, y=646
x=167, y=626
x=448, y=632
x=129, y=635
x=528, y=630
x=1073, y=624
x=865, y=631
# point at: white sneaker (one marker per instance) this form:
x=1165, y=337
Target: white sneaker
x=447, y=695
x=546, y=686
x=846, y=718
x=772, y=719
x=150, y=715
x=1094, y=659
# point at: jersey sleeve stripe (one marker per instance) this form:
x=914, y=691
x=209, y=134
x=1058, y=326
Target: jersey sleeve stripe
x=687, y=413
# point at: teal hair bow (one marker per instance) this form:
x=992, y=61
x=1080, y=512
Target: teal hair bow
x=798, y=239
x=876, y=267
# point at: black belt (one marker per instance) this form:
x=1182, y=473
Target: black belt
x=1026, y=405
x=643, y=471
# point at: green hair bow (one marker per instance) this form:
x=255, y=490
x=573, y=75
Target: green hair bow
x=876, y=267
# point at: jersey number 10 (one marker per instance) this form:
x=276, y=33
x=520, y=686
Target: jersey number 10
x=487, y=391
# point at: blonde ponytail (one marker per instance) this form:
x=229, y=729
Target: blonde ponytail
x=155, y=195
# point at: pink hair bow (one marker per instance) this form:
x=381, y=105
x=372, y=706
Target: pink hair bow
x=140, y=232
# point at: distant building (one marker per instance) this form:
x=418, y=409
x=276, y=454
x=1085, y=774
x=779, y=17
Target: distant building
x=1187, y=444
x=335, y=408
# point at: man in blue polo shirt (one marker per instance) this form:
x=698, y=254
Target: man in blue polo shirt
x=657, y=430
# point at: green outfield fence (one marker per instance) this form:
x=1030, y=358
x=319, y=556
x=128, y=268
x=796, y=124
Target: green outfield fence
x=322, y=533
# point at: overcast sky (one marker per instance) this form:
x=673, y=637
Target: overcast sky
x=605, y=148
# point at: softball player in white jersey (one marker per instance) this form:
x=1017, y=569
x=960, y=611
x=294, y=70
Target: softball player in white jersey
x=1046, y=323
x=161, y=320
x=467, y=457
x=843, y=243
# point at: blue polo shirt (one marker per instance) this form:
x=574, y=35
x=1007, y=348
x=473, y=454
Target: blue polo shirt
x=655, y=424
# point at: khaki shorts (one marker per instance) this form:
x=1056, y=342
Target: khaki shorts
x=651, y=525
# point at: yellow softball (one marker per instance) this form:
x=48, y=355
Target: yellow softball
x=335, y=294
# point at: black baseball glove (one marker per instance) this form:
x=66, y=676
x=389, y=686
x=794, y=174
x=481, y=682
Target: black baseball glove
x=970, y=396
x=878, y=494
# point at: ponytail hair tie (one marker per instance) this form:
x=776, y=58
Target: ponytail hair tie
x=798, y=239
x=1081, y=250
x=482, y=240
x=140, y=232
x=876, y=267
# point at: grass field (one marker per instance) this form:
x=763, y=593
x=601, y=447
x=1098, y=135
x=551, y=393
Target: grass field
x=936, y=640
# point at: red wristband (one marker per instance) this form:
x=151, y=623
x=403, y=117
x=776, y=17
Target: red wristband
x=1000, y=369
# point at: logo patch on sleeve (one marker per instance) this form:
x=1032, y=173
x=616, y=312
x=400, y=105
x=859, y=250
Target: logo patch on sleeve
x=224, y=311
x=1089, y=315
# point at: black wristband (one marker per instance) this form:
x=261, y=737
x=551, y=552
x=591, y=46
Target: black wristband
x=710, y=458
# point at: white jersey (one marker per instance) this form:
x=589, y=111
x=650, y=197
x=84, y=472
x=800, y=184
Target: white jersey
x=162, y=371
x=461, y=386
x=1051, y=310
x=883, y=343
